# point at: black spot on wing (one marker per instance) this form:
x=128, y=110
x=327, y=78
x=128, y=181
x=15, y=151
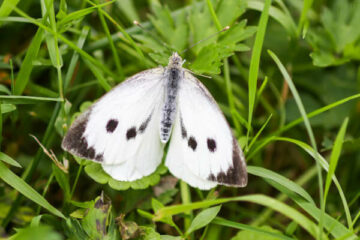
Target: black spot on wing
x=144, y=124
x=111, y=125
x=211, y=144
x=236, y=175
x=131, y=133
x=183, y=130
x=76, y=143
x=99, y=157
x=192, y=143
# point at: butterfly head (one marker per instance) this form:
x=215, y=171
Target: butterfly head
x=175, y=60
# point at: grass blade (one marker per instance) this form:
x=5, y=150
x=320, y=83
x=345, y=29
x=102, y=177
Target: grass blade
x=9, y=160
x=20, y=185
x=27, y=99
x=27, y=65
x=290, y=185
x=7, y=7
x=75, y=56
x=269, y=202
x=308, y=129
x=258, y=133
x=227, y=223
x=112, y=45
x=335, y=155
x=255, y=60
x=324, y=164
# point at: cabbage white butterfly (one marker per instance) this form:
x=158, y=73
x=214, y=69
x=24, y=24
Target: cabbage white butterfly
x=126, y=130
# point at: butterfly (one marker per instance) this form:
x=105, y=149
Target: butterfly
x=127, y=129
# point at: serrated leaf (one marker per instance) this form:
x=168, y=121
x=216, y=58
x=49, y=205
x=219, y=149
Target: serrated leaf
x=201, y=26
x=173, y=31
x=230, y=10
x=203, y=219
x=210, y=59
x=237, y=33
x=162, y=20
x=339, y=32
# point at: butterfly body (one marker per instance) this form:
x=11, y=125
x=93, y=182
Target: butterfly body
x=126, y=130
x=172, y=76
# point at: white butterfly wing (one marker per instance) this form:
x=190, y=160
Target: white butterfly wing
x=121, y=130
x=203, y=151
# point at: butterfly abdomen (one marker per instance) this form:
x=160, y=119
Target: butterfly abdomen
x=173, y=76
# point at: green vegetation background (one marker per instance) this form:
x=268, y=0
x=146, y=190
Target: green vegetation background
x=286, y=74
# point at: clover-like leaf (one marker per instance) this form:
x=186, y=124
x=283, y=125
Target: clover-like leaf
x=95, y=171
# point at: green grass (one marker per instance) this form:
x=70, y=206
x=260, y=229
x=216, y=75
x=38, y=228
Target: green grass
x=286, y=76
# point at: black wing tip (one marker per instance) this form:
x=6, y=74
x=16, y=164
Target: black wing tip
x=236, y=175
x=75, y=143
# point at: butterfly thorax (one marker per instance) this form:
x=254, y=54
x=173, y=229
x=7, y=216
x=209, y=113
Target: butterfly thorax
x=172, y=75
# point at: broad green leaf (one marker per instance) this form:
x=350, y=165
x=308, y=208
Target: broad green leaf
x=148, y=233
x=35, y=222
x=9, y=160
x=38, y=232
x=20, y=185
x=95, y=220
x=96, y=172
x=203, y=219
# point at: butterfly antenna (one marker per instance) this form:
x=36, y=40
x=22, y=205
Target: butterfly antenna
x=203, y=40
x=152, y=35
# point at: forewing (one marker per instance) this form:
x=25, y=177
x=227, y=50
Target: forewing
x=203, y=151
x=121, y=130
